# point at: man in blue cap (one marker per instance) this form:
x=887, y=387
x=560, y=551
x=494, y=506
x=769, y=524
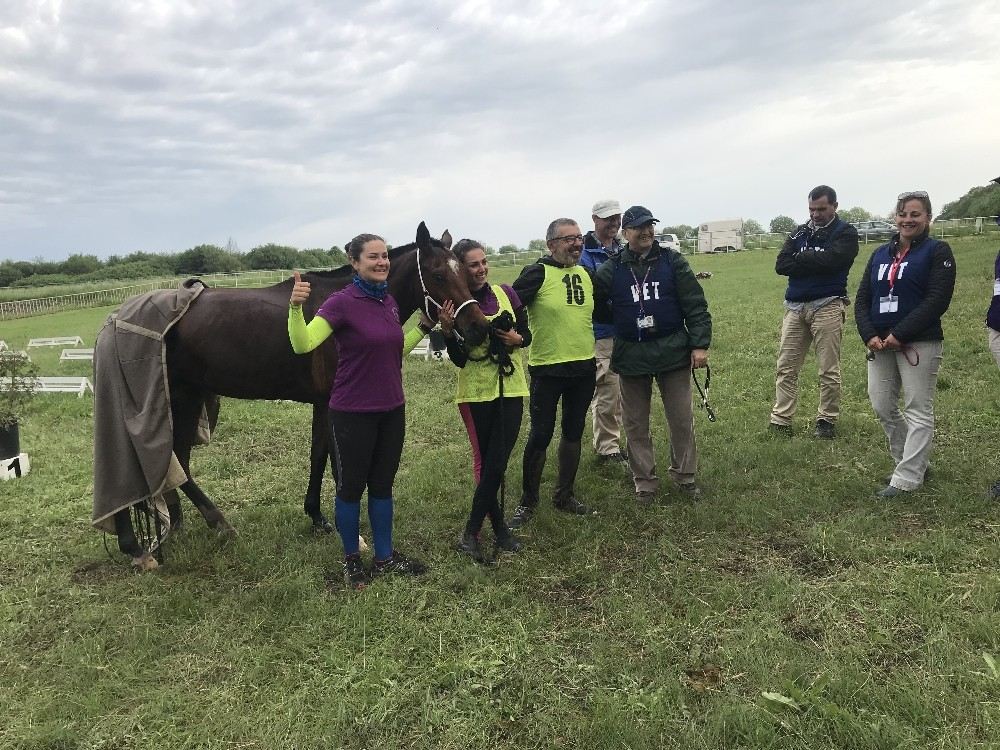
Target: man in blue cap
x=662, y=330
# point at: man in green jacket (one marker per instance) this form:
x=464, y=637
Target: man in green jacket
x=662, y=330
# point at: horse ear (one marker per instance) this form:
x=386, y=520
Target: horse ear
x=423, y=235
x=446, y=239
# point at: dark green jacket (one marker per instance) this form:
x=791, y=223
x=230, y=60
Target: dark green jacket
x=671, y=352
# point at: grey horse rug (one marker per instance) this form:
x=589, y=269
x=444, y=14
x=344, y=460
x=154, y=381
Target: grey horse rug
x=133, y=430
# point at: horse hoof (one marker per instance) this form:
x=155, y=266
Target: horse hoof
x=145, y=563
x=362, y=544
x=226, y=530
x=322, y=526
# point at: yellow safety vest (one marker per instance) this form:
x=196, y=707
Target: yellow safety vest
x=479, y=380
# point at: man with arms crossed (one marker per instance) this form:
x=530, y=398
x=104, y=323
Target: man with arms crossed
x=816, y=258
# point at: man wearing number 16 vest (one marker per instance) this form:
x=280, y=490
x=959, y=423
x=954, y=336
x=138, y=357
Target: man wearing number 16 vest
x=662, y=330
x=558, y=295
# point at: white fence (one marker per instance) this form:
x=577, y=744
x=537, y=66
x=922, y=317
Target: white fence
x=103, y=297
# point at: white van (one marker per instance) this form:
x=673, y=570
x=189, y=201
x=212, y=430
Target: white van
x=724, y=236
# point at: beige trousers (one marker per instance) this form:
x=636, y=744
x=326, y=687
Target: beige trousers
x=799, y=329
x=913, y=376
x=675, y=393
x=607, y=405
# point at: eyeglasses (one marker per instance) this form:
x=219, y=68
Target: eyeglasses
x=573, y=238
x=913, y=194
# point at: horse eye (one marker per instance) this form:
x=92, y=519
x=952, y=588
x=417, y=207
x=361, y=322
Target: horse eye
x=439, y=277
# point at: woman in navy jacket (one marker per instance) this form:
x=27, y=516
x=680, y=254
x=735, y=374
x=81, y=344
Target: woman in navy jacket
x=993, y=326
x=906, y=288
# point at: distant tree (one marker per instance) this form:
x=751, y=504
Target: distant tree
x=208, y=259
x=45, y=267
x=271, y=256
x=752, y=226
x=681, y=230
x=77, y=265
x=538, y=246
x=783, y=224
x=851, y=215
x=9, y=273
x=314, y=258
x=508, y=249
x=979, y=201
x=338, y=257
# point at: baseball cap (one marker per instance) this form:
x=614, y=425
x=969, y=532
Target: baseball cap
x=604, y=209
x=636, y=216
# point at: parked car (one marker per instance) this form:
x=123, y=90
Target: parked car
x=874, y=230
x=669, y=240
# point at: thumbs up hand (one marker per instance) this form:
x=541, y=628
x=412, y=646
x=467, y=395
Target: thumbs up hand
x=300, y=291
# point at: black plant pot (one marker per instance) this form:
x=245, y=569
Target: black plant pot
x=10, y=441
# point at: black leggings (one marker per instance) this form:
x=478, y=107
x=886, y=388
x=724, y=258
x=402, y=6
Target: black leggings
x=576, y=394
x=485, y=421
x=366, y=447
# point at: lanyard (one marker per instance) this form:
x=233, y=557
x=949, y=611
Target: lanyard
x=894, y=269
x=640, y=288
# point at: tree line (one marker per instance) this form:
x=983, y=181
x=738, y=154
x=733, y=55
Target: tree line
x=780, y=224
x=203, y=259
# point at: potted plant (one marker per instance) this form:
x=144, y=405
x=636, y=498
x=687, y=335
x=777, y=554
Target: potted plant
x=17, y=388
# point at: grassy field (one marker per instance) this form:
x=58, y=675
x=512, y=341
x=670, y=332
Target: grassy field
x=787, y=609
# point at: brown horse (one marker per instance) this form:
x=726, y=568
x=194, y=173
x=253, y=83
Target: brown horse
x=234, y=342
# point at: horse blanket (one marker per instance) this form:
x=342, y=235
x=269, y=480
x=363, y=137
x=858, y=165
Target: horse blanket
x=133, y=430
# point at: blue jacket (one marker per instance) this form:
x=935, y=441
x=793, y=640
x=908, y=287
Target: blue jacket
x=817, y=261
x=923, y=288
x=592, y=257
x=993, y=314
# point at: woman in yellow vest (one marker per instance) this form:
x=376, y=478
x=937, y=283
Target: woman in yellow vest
x=490, y=394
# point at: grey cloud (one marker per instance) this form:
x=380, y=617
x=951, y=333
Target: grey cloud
x=290, y=116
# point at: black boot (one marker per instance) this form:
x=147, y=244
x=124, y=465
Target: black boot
x=532, y=468
x=569, y=462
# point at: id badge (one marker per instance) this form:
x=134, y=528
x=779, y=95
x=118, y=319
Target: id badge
x=888, y=304
x=645, y=324
x=996, y=287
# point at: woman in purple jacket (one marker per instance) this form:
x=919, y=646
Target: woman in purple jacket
x=367, y=412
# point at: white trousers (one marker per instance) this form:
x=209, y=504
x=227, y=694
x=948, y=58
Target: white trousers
x=911, y=430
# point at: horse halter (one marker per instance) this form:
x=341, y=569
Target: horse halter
x=429, y=300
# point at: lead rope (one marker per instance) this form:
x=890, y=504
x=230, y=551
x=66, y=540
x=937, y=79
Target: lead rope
x=704, y=393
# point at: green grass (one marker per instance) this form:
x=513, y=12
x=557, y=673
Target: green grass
x=633, y=629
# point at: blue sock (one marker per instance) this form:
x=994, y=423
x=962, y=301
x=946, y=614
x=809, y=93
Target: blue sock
x=348, y=517
x=380, y=518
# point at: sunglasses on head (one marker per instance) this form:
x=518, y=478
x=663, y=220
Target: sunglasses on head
x=913, y=194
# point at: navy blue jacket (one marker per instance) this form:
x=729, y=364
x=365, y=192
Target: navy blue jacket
x=993, y=314
x=592, y=257
x=924, y=287
x=653, y=293
x=817, y=262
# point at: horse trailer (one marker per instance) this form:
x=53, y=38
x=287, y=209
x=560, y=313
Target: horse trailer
x=724, y=236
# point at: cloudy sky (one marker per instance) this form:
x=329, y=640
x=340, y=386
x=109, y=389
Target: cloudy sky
x=164, y=124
